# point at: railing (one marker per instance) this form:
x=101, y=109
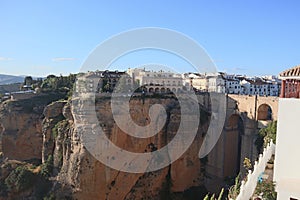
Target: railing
x=248, y=187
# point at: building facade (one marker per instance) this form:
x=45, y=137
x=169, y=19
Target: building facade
x=158, y=81
x=216, y=83
x=258, y=86
x=287, y=160
x=196, y=81
x=286, y=165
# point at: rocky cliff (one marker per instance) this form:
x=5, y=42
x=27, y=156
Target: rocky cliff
x=49, y=134
x=22, y=146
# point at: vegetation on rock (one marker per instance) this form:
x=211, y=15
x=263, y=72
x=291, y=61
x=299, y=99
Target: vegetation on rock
x=19, y=179
x=47, y=167
x=265, y=135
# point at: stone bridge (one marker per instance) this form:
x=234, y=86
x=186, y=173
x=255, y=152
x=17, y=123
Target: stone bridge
x=245, y=115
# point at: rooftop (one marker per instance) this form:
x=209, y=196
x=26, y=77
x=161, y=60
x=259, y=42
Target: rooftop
x=291, y=73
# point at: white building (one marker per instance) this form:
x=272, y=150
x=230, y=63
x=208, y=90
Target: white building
x=233, y=85
x=260, y=87
x=158, y=81
x=216, y=83
x=196, y=80
x=287, y=159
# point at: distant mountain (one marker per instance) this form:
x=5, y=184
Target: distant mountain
x=10, y=79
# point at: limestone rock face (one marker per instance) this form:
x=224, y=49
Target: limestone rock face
x=90, y=179
x=21, y=128
x=54, y=109
x=36, y=130
x=67, y=111
x=52, y=114
x=21, y=131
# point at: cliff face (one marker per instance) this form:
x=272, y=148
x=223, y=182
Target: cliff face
x=20, y=127
x=21, y=133
x=90, y=179
x=21, y=147
x=77, y=173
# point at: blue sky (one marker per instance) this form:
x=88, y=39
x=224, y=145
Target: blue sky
x=55, y=37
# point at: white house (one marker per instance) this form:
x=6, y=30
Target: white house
x=258, y=86
x=196, y=80
x=233, y=86
x=216, y=83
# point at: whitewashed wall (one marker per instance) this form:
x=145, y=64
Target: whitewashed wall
x=287, y=157
x=247, y=188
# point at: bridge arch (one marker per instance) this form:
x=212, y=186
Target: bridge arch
x=264, y=112
x=233, y=144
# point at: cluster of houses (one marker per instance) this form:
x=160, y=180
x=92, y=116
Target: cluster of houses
x=164, y=82
x=234, y=84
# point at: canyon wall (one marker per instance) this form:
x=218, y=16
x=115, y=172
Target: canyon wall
x=49, y=133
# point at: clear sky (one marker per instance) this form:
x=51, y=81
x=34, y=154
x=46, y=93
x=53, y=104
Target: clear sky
x=254, y=37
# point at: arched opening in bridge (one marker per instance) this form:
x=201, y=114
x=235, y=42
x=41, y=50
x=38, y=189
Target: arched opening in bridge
x=233, y=138
x=264, y=112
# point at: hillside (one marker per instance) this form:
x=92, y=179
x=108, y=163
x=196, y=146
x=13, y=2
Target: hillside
x=9, y=79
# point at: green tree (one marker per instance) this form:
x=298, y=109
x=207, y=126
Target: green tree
x=63, y=84
x=265, y=135
x=28, y=81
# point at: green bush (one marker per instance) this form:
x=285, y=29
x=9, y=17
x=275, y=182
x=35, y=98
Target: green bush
x=19, y=179
x=265, y=135
x=47, y=167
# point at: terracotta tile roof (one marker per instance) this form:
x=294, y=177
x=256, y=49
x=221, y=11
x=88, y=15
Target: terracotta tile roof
x=295, y=71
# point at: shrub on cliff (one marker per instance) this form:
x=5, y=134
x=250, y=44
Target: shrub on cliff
x=58, y=84
x=47, y=167
x=265, y=135
x=19, y=179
